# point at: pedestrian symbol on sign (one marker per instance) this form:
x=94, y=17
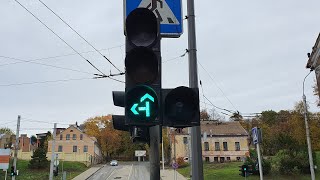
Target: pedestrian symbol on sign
x=161, y=9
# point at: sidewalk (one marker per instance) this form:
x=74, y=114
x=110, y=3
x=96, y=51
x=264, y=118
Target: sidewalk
x=168, y=174
x=88, y=173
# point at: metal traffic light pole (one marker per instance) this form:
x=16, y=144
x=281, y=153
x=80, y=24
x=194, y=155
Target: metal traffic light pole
x=196, y=152
x=154, y=152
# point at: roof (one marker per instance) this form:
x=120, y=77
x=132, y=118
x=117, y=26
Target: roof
x=230, y=128
x=215, y=128
x=312, y=62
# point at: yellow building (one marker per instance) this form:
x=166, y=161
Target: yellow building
x=74, y=145
x=221, y=142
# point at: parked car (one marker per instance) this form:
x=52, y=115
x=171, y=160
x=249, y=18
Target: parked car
x=114, y=163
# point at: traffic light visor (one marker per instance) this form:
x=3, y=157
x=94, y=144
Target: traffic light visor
x=142, y=27
x=142, y=65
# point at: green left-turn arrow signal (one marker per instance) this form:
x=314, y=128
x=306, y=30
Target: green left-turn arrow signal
x=133, y=109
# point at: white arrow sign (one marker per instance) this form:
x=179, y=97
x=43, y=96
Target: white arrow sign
x=162, y=11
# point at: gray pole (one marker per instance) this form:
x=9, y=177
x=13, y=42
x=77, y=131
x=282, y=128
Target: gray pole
x=259, y=160
x=304, y=99
x=16, y=147
x=162, y=154
x=154, y=152
x=52, y=151
x=197, y=164
x=308, y=137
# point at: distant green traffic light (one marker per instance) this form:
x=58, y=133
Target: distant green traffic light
x=143, y=104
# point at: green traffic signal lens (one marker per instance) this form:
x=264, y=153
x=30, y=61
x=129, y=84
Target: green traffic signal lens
x=142, y=104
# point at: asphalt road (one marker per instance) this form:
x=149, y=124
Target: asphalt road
x=124, y=171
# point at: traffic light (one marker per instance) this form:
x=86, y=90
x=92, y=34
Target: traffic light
x=143, y=69
x=12, y=173
x=138, y=134
x=56, y=171
x=180, y=107
x=244, y=171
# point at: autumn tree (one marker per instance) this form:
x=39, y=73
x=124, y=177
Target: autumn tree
x=6, y=130
x=204, y=115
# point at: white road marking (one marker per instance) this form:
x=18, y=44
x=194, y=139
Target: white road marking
x=130, y=172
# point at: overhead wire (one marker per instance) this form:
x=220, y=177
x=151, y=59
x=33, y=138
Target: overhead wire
x=217, y=85
x=65, y=80
x=176, y=57
x=43, y=82
x=49, y=65
x=59, y=37
x=53, y=57
x=80, y=35
x=223, y=109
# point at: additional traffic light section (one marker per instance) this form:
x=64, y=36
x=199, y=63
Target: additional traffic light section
x=181, y=107
x=244, y=171
x=140, y=134
x=143, y=68
x=118, y=122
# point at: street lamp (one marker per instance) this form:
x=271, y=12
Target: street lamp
x=307, y=128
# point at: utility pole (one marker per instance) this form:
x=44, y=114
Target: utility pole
x=196, y=154
x=162, y=154
x=16, y=148
x=52, y=151
x=308, y=137
x=260, y=162
x=154, y=152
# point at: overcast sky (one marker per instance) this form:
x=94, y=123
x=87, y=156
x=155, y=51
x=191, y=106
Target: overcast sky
x=254, y=54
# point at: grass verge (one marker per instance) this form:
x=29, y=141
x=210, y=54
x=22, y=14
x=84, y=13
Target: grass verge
x=73, y=169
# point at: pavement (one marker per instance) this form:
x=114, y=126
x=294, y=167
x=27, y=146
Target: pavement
x=85, y=175
x=168, y=174
x=127, y=171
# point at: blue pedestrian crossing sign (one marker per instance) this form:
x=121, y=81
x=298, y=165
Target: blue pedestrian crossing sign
x=169, y=13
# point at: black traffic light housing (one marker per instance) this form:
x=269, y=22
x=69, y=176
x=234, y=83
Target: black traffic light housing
x=180, y=107
x=12, y=172
x=143, y=69
x=244, y=169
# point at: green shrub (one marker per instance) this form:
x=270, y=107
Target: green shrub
x=291, y=162
x=253, y=164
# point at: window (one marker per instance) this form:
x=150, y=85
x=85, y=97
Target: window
x=206, y=146
x=81, y=136
x=221, y=159
x=60, y=149
x=228, y=159
x=85, y=148
x=61, y=136
x=207, y=159
x=217, y=146
x=74, y=137
x=215, y=159
x=75, y=148
x=238, y=158
x=68, y=137
x=225, y=146
x=237, y=144
x=71, y=130
x=185, y=140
